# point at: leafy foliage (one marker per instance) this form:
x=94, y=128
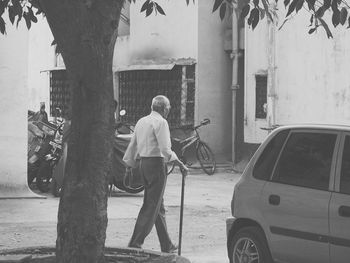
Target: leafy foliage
x=252, y=10
x=18, y=9
x=256, y=10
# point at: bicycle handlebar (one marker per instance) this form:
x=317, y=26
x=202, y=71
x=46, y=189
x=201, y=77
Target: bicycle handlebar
x=204, y=122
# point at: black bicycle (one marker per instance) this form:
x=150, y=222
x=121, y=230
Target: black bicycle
x=204, y=154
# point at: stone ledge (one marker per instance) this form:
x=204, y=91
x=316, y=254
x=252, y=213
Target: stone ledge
x=46, y=255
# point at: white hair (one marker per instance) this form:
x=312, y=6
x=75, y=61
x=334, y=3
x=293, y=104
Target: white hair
x=159, y=103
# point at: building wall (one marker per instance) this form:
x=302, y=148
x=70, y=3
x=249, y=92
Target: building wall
x=214, y=69
x=199, y=34
x=312, y=75
x=13, y=107
x=158, y=36
x=41, y=58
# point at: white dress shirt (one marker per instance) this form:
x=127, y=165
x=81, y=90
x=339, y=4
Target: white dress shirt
x=151, y=139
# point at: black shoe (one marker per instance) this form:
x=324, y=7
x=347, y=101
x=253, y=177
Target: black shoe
x=172, y=249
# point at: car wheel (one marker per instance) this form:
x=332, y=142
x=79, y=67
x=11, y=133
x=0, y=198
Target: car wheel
x=249, y=246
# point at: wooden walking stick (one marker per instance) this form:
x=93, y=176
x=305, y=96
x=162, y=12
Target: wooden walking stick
x=184, y=173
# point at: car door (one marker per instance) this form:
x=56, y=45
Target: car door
x=295, y=201
x=339, y=212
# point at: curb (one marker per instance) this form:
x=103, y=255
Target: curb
x=29, y=254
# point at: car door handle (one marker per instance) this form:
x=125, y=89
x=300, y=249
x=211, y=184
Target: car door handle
x=274, y=199
x=344, y=211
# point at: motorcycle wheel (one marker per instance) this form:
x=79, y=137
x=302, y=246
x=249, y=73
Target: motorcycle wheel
x=32, y=170
x=55, y=189
x=44, y=177
x=121, y=185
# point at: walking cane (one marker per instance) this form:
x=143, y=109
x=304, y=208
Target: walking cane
x=184, y=173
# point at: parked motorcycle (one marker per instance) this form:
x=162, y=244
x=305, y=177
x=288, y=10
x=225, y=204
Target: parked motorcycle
x=44, y=151
x=127, y=182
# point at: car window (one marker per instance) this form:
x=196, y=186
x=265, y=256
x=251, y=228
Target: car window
x=345, y=168
x=306, y=160
x=264, y=165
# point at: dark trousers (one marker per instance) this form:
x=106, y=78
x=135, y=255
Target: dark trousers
x=152, y=211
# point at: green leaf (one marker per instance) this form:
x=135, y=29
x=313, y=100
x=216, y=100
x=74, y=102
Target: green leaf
x=266, y=7
x=343, y=15
x=312, y=30
x=12, y=14
x=299, y=5
x=149, y=9
x=256, y=2
x=320, y=12
x=27, y=19
x=19, y=19
x=145, y=6
x=2, y=8
x=335, y=5
x=32, y=16
x=17, y=6
x=311, y=4
x=2, y=26
x=326, y=4
x=326, y=28
x=245, y=11
x=217, y=3
x=336, y=18
x=311, y=20
x=292, y=7
x=262, y=13
x=160, y=9
x=255, y=17
x=222, y=11
x=286, y=2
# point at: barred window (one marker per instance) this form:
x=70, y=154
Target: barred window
x=138, y=87
x=59, y=92
x=261, y=96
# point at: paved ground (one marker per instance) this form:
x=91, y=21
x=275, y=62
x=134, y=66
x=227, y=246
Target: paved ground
x=32, y=222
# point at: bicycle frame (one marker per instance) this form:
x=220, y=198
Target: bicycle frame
x=189, y=141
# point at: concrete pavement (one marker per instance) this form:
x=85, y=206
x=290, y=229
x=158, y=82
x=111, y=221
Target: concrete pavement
x=32, y=222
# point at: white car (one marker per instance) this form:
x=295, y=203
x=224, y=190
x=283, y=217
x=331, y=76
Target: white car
x=292, y=203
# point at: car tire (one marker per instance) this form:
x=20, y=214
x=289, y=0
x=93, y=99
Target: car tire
x=249, y=245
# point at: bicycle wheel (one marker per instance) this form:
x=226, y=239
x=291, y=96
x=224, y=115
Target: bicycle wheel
x=206, y=158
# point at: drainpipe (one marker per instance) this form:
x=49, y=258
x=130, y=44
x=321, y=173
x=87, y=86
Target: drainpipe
x=234, y=87
x=271, y=88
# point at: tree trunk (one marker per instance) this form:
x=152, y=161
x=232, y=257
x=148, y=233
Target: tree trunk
x=85, y=31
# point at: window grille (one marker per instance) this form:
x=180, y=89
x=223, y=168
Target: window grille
x=261, y=96
x=138, y=87
x=60, y=96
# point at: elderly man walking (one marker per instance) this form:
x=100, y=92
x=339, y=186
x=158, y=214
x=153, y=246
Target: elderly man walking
x=152, y=145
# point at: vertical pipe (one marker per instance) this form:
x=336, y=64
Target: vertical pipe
x=271, y=88
x=183, y=96
x=234, y=86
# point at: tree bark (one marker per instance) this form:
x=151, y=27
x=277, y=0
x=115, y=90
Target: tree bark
x=85, y=31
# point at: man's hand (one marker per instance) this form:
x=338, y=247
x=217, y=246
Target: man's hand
x=183, y=167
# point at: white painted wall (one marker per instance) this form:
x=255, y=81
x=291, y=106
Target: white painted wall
x=213, y=93
x=256, y=61
x=158, y=36
x=41, y=57
x=13, y=110
x=313, y=80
